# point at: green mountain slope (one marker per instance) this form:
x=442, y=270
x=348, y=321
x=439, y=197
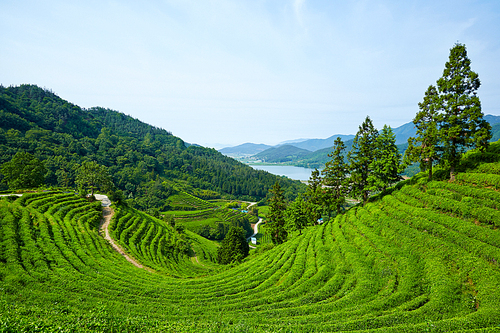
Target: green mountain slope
x=244, y=149
x=281, y=154
x=146, y=162
x=425, y=258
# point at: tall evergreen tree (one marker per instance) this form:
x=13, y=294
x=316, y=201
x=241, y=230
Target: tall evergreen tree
x=315, y=195
x=234, y=247
x=276, y=215
x=296, y=215
x=386, y=165
x=335, y=175
x=425, y=147
x=360, y=159
x=462, y=125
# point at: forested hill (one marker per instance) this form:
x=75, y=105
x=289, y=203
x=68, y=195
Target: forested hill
x=144, y=161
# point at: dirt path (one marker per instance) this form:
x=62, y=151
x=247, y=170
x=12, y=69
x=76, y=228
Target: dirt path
x=107, y=214
x=250, y=204
x=196, y=258
x=255, y=232
x=256, y=227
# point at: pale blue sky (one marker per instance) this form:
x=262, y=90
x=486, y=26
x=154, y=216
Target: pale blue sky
x=228, y=72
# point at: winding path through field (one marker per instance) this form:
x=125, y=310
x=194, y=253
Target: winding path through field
x=107, y=214
x=256, y=227
x=255, y=231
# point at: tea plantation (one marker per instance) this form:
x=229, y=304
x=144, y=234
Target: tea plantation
x=424, y=259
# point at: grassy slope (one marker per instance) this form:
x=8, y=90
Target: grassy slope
x=204, y=213
x=425, y=258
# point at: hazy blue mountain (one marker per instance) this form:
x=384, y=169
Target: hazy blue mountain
x=317, y=144
x=403, y=132
x=244, y=149
x=287, y=142
x=492, y=119
x=321, y=147
x=282, y=154
x=495, y=132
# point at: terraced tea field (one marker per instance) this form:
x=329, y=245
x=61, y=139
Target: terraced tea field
x=424, y=259
x=197, y=215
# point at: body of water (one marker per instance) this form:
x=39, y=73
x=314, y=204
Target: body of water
x=291, y=172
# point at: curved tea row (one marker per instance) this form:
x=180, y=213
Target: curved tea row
x=423, y=259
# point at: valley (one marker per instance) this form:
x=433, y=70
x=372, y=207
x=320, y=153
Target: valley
x=246, y=166
x=114, y=225
x=425, y=256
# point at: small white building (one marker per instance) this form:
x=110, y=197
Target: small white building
x=254, y=240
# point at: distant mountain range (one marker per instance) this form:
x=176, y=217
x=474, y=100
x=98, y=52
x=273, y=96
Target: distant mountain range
x=317, y=144
x=313, y=153
x=249, y=149
x=244, y=149
x=282, y=154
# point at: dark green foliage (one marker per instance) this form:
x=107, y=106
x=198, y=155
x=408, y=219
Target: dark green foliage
x=386, y=166
x=360, y=159
x=234, y=247
x=285, y=153
x=170, y=220
x=299, y=214
x=205, y=218
x=63, y=136
x=116, y=197
x=334, y=178
x=424, y=148
x=150, y=195
x=276, y=215
x=315, y=195
x=225, y=219
x=450, y=120
x=404, y=263
x=91, y=175
x=23, y=171
x=461, y=124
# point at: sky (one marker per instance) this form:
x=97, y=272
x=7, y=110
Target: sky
x=226, y=72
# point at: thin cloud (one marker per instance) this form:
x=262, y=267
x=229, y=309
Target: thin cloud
x=297, y=8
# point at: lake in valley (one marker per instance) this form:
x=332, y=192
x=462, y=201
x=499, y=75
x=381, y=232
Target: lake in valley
x=290, y=171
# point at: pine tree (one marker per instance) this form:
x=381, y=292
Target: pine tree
x=315, y=196
x=334, y=177
x=276, y=215
x=462, y=125
x=360, y=158
x=386, y=165
x=234, y=247
x=296, y=215
x=425, y=147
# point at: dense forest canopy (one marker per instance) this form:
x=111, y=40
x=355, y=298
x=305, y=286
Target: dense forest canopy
x=143, y=160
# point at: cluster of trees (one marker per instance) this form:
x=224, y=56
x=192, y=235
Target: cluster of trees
x=136, y=155
x=373, y=163
x=234, y=247
x=26, y=171
x=220, y=230
x=450, y=120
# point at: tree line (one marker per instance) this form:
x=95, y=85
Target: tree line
x=372, y=164
x=143, y=161
x=449, y=122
